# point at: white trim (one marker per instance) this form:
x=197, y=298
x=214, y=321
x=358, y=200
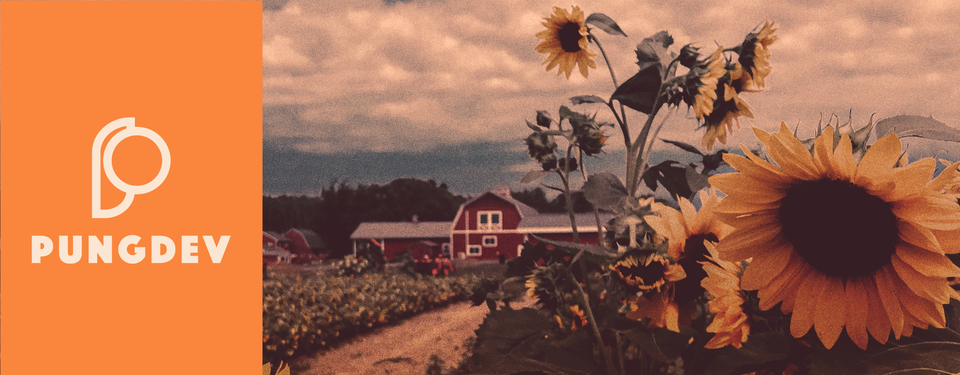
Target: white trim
x=488, y=237
x=479, y=251
x=490, y=226
x=558, y=230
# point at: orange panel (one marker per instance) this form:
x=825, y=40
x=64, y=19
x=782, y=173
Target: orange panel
x=171, y=283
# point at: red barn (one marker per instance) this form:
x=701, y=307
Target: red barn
x=394, y=238
x=485, y=227
x=495, y=223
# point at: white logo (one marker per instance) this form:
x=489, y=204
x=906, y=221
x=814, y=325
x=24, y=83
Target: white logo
x=107, y=165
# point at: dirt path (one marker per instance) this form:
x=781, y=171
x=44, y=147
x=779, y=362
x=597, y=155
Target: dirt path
x=404, y=348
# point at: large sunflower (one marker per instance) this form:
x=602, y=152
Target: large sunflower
x=685, y=231
x=565, y=39
x=730, y=324
x=841, y=244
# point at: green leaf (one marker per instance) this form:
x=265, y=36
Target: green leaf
x=605, y=23
x=520, y=341
x=661, y=343
x=759, y=348
x=652, y=51
x=566, y=113
x=580, y=99
x=640, y=91
x=604, y=190
x=695, y=180
x=594, y=253
x=534, y=176
x=532, y=126
x=932, y=357
x=672, y=175
x=684, y=146
x=713, y=161
x=917, y=126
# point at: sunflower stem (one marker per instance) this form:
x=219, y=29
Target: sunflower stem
x=611, y=368
x=634, y=165
x=622, y=119
x=565, y=177
x=646, y=152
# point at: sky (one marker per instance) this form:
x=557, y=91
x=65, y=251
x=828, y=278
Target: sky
x=368, y=91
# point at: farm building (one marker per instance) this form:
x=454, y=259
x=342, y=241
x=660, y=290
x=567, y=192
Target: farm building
x=495, y=223
x=485, y=227
x=394, y=238
x=295, y=245
x=273, y=249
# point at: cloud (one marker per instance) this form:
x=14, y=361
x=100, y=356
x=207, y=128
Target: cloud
x=341, y=77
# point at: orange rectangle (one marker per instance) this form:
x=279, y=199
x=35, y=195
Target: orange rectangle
x=131, y=161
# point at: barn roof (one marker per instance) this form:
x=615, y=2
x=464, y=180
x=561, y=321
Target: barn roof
x=423, y=229
x=560, y=223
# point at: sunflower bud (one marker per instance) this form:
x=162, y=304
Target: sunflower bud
x=543, y=119
x=541, y=146
x=689, y=55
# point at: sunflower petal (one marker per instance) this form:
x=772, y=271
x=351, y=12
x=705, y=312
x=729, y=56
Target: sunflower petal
x=926, y=312
x=919, y=236
x=828, y=320
x=891, y=303
x=879, y=159
x=764, y=267
x=910, y=179
x=806, y=303
x=926, y=262
x=843, y=155
x=877, y=322
x=855, y=312
x=745, y=243
x=934, y=289
x=736, y=184
x=823, y=153
x=783, y=286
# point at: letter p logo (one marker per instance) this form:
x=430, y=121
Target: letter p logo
x=130, y=191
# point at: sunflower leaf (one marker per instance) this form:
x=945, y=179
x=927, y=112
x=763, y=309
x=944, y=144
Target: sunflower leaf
x=580, y=99
x=652, y=51
x=534, y=176
x=684, y=146
x=604, y=190
x=661, y=343
x=695, y=180
x=605, y=23
x=512, y=341
x=917, y=126
x=640, y=91
x=532, y=126
x=759, y=349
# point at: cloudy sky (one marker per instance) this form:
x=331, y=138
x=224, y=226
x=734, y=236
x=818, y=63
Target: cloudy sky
x=370, y=90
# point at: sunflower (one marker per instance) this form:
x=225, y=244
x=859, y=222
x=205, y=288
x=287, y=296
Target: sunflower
x=755, y=57
x=650, y=272
x=565, y=39
x=685, y=231
x=707, y=91
x=841, y=244
x=725, y=114
x=730, y=323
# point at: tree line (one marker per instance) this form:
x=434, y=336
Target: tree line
x=340, y=208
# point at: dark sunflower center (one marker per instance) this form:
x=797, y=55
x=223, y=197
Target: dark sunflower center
x=694, y=252
x=647, y=275
x=839, y=228
x=569, y=36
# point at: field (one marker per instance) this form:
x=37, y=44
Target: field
x=309, y=312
